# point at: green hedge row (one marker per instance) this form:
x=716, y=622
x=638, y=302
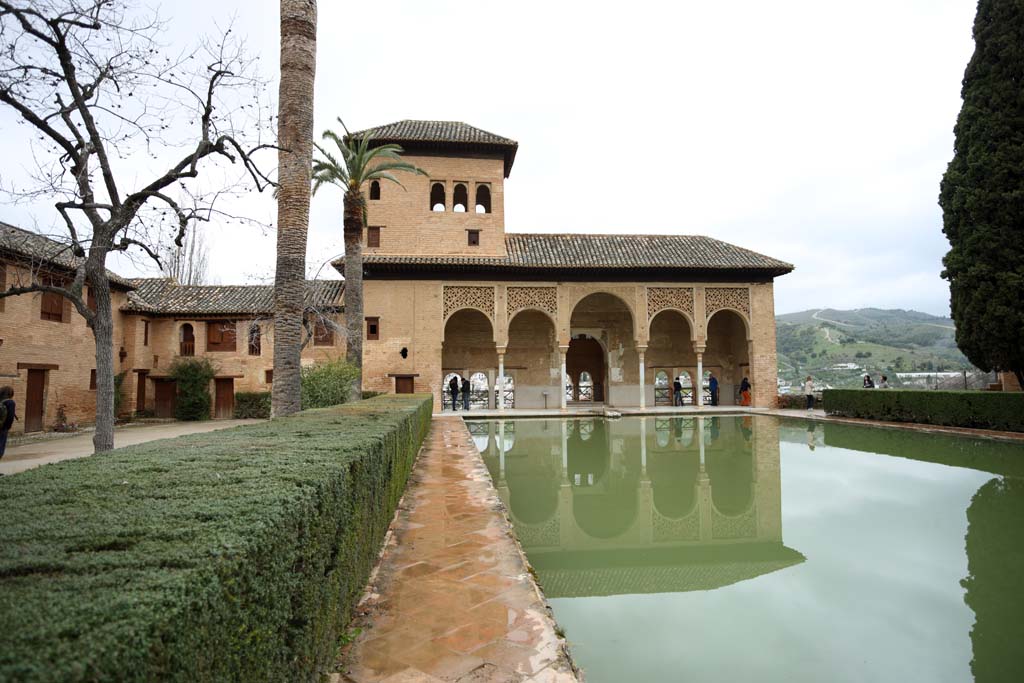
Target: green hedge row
x=252, y=404
x=233, y=555
x=980, y=409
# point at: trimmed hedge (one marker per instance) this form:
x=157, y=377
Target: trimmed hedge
x=252, y=404
x=980, y=409
x=233, y=555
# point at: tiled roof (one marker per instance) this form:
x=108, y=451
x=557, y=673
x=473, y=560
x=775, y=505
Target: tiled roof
x=533, y=251
x=38, y=250
x=412, y=134
x=411, y=130
x=162, y=296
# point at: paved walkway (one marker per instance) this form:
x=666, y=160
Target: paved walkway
x=36, y=453
x=452, y=599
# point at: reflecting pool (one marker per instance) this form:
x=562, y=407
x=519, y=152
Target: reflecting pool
x=754, y=549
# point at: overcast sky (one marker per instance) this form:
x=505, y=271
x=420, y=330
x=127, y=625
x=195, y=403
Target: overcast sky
x=815, y=132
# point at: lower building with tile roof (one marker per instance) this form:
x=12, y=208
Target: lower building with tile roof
x=47, y=353
x=537, y=320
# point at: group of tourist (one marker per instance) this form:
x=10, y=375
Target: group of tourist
x=745, y=387
x=454, y=389
x=869, y=383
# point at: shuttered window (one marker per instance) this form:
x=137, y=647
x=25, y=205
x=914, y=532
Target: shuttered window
x=221, y=335
x=323, y=335
x=52, y=305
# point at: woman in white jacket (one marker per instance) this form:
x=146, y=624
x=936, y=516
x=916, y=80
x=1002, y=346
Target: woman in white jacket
x=809, y=392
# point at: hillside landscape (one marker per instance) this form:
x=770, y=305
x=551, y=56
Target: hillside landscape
x=838, y=347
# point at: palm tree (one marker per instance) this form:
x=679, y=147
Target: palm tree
x=359, y=164
x=295, y=156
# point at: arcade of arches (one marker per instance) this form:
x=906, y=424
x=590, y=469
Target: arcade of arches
x=562, y=344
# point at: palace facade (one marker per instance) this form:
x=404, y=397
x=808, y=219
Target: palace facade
x=563, y=318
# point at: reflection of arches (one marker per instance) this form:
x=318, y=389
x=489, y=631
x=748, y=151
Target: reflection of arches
x=483, y=199
x=460, y=198
x=674, y=482
x=604, y=502
x=437, y=198
x=731, y=472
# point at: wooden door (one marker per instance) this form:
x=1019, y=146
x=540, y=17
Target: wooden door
x=225, y=398
x=404, y=385
x=34, y=400
x=140, y=395
x=166, y=397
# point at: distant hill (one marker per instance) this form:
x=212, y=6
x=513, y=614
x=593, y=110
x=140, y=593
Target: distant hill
x=840, y=346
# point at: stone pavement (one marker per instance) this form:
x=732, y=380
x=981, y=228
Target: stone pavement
x=452, y=599
x=26, y=456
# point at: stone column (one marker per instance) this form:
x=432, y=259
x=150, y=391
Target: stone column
x=562, y=350
x=643, y=448
x=698, y=385
x=565, y=452
x=501, y=379
x=501, y=451
x=643, y=384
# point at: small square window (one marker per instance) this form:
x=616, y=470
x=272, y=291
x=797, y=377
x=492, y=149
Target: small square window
x=269, y=376
x=92, y=380
x=473, y=238
x=145, y=333
x=373, y=236
x=373, y=328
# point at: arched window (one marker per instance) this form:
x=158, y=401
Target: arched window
x=509, y=394
x=586, y=387
x=437, y=199
x=478, y=390
x=569, y=393
x=187, y=340
x=375, y=190
x=662, y=390
x=483, y=199
x=460, y=199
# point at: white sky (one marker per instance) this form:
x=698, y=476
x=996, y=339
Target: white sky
x=815, y=132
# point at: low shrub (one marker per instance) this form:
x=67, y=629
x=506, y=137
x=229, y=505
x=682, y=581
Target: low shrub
x=228, y=556
x=193, y=377
x=790, y=401
x=250, y=404
x=371, y=394
x=979, y=409
x=327, y=384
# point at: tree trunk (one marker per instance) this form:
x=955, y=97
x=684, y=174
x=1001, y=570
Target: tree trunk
x=295, y=161
x=354, y=287
x=1019, y=374
x=103, y=332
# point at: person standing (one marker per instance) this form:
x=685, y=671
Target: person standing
x=884, y=382
x=7, y=416
x=809, y=392
x=465, y=393
x=453, y=389
x=713, y=388
x=677, y=392
x=745, y=392
x=868, y=382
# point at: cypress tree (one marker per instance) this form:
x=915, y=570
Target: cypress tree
x=982, y=195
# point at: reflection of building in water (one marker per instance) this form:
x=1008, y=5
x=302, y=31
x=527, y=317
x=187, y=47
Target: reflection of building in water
x=676, y=503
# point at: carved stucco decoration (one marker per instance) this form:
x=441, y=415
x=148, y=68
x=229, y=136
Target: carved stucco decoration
x=457, y=297
x=717, y=298
x=660, y=298
x=542, y=298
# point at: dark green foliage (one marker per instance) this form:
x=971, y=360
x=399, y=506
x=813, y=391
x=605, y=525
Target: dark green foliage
x=988, y=455
x=995, y=563
x=327, y=384
x=980, y=409
x=371, y=394
x=193, y=377
x=118, y=396
x=982, y=195
x=250, y=404
x=790, y=401
x=235, y=555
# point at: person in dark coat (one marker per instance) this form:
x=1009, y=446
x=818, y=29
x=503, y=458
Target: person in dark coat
x=677, y=392
x=453, y=389
x=713, y=388
x=465, y=393
x=7, y=399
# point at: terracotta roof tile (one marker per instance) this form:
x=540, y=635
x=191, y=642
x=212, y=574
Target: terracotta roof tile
x=411, y=130
x=38, y=249
x=603, y=252
x=162, y=296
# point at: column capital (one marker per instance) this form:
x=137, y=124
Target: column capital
x=563, y=349
x=641, y=348
x=699, y=348
x=502, y=350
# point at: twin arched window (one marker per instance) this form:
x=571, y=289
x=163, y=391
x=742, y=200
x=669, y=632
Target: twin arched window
x=460, y=197
x=437, y=198
x=483, y=199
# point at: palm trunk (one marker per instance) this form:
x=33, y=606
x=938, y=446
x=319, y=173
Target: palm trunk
x=295, y=160
x=103, y=333
x=354, y=287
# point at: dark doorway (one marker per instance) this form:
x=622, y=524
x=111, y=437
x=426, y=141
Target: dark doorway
x=404, y=385
x=586, y=355
x=34, y=393
x=225, y=397
x=140, y=394
x=166, y=397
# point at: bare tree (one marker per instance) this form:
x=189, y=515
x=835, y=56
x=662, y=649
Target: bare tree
x=295, y=161
x=189, y=263
x=124, y=135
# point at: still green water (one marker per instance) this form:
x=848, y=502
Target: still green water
x=753, y=549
